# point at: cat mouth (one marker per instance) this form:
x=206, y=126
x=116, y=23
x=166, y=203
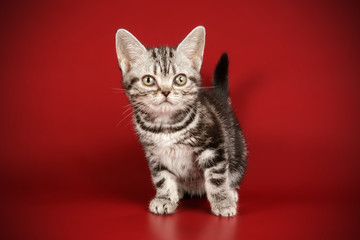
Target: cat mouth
x=164, y=107
x=166, y=102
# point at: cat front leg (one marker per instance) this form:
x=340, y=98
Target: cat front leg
x=167, y=194
x=217, y=184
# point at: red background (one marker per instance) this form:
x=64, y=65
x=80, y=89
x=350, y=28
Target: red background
x=68, y=172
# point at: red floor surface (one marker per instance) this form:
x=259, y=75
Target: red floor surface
x=71, y=169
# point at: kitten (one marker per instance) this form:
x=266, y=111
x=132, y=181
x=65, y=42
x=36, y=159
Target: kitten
x=191, y=137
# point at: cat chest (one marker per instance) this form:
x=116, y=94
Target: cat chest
x=179, y=159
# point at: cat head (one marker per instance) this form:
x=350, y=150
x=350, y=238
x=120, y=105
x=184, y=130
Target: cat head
x=161, y=81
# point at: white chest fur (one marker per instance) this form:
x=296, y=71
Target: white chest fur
x=165, y=148
x=178, y=158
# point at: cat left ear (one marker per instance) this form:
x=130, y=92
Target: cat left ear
x=128, y=49
x=193, y=46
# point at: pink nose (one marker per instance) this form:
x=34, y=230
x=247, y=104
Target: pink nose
x=165, y=93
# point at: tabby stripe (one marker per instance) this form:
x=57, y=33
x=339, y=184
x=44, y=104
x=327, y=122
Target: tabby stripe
x=217, y=181
x=176, y=121
x=178, y=118
x=158, y=168
x=171, y=64
x=160, y=183
x=153, y=54
x=155, y=69
x=219, y=171
x=171, y=54
x=132, y=82
x=193, y=79
x=165, y=60
x=170, y=129
x=168, y=67
x=213, y=162
x=166, y=197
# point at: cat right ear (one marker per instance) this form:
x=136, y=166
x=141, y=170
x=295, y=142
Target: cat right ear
x=128, y=49
x=193, y=46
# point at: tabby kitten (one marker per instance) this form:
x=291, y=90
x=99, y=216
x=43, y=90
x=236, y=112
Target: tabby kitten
x=191, y=137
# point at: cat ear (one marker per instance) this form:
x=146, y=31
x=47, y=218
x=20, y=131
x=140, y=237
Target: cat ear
x=193, y=46
x=128, y=49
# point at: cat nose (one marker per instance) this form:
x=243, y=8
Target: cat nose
x=165, y=93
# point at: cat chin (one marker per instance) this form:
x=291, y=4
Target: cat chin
x=165, y=108
x=163, y=112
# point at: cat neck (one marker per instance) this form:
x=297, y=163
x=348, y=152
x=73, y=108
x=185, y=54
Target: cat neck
x=167, y=119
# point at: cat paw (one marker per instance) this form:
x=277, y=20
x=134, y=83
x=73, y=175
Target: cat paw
x=224, y=209
x=162, y=206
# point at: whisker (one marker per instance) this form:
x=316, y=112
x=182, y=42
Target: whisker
x=124, y=118
x=128, y=109
x=118, y=89
x=136, y=107
x=129, y=114
x=208, y=87
x=127, y=105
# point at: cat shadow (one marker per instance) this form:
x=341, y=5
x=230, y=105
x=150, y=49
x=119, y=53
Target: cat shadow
x=198, y=204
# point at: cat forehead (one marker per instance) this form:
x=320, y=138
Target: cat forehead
x=162, y=53
x=163, y=61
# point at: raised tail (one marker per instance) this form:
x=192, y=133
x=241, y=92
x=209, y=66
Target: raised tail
x=220, y=81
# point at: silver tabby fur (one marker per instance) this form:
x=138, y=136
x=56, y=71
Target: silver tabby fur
x=191, y=137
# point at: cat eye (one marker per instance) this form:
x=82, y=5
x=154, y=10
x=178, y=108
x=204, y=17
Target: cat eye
x=180, y=80
x=148, y=81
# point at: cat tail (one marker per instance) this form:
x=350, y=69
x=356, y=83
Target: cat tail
x=220, y=80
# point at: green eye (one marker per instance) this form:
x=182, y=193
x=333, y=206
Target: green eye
x=148, y=80
x=180, y=80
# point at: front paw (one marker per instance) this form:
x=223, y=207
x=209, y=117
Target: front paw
x=162, y=206
x=224, y=208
